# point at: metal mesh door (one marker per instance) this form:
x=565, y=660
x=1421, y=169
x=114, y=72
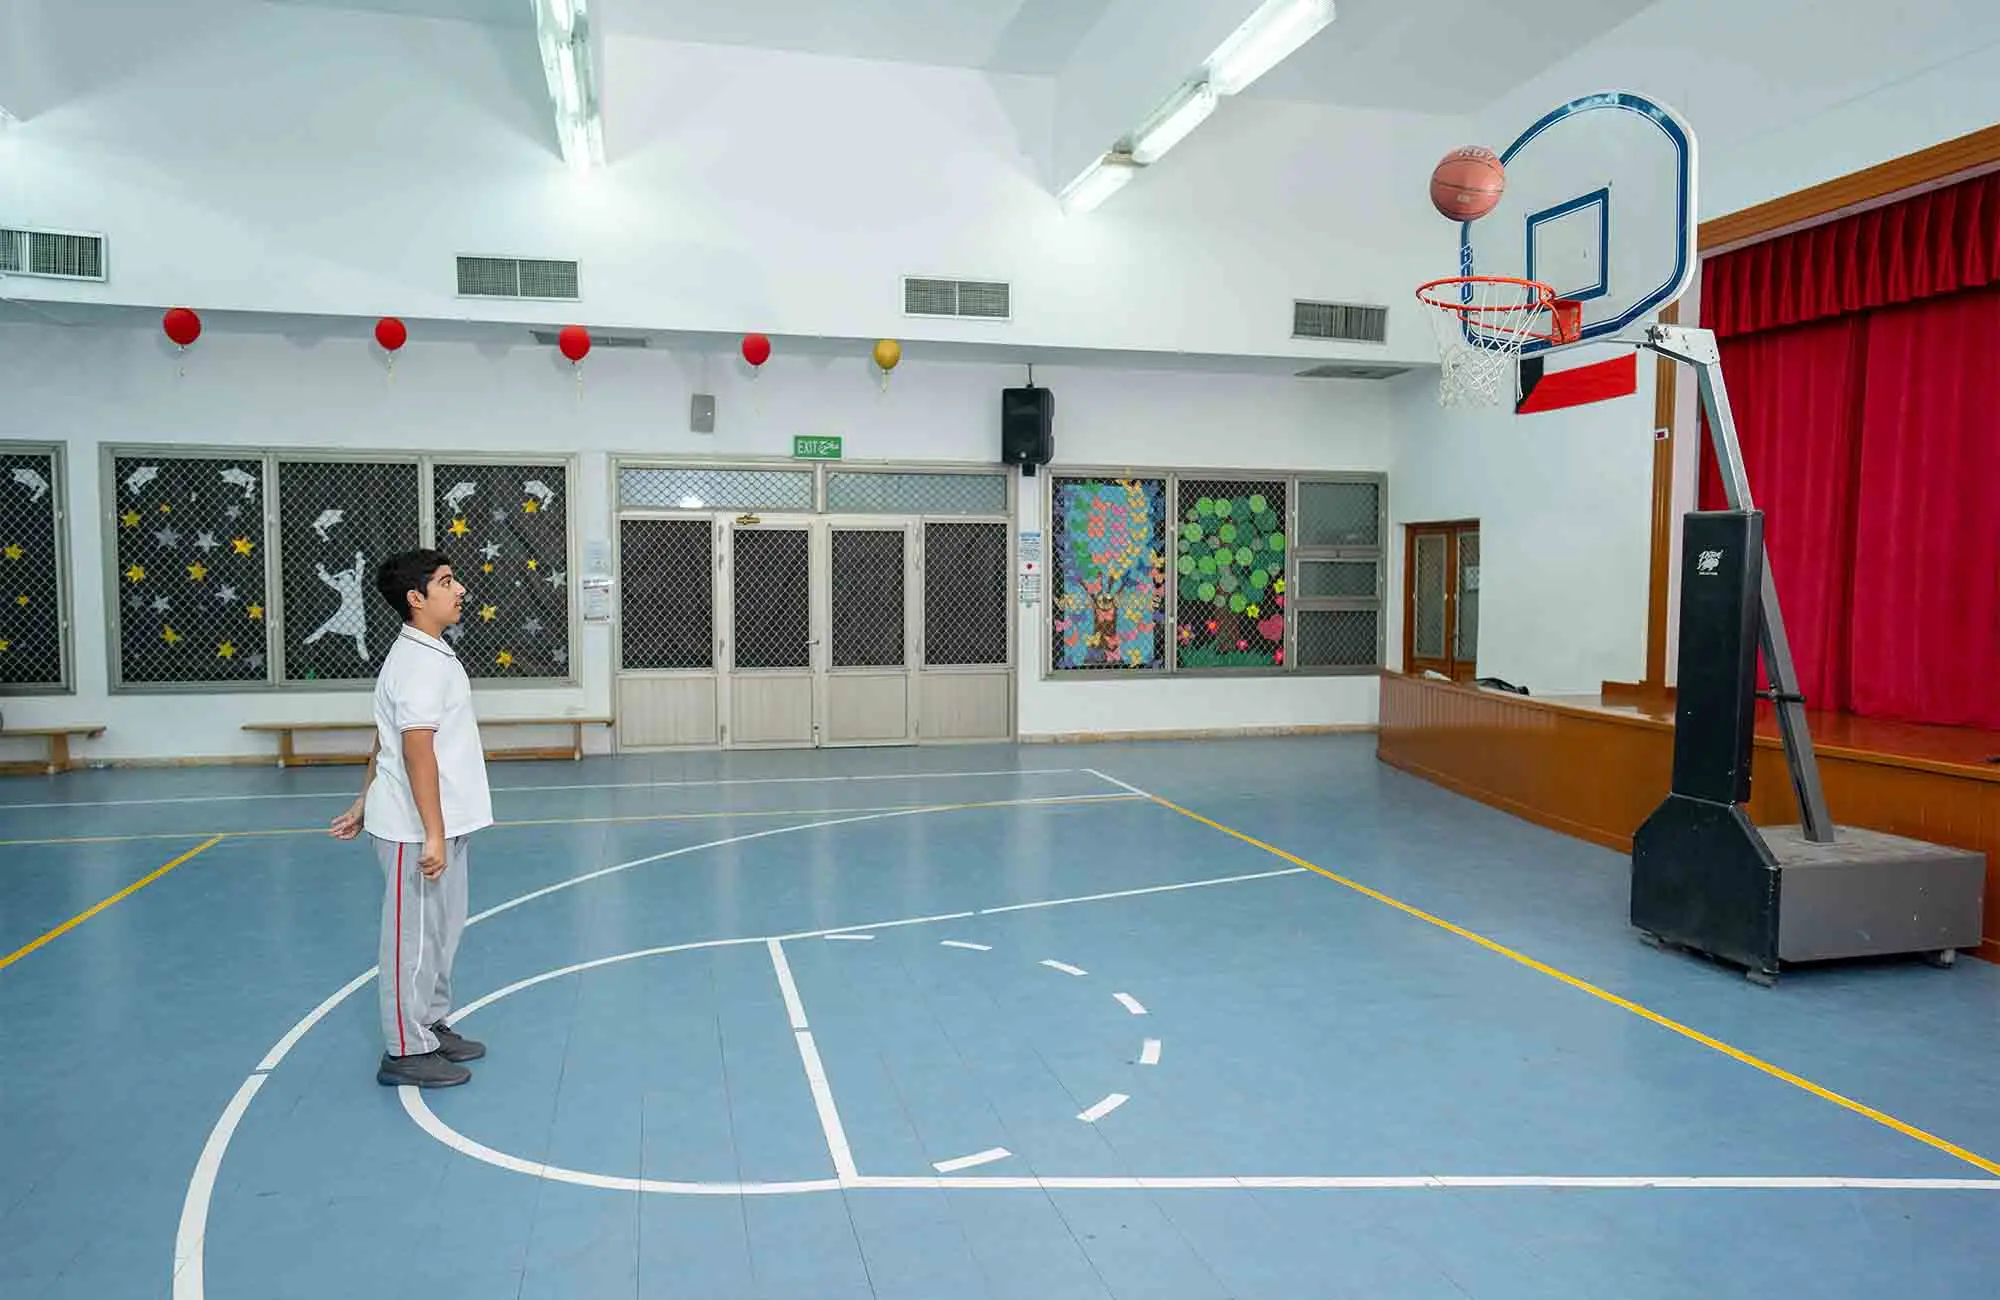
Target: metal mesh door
x=868, y=598
x=666, y=572
x=1427, y=637
x=771, y=591
x=965, y=594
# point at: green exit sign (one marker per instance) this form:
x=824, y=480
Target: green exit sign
x=804, y=448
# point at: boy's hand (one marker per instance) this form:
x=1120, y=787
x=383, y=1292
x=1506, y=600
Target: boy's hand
x=348, y=824
x=432, y=861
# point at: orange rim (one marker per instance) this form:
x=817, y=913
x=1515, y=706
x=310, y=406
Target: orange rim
x=1539, y=297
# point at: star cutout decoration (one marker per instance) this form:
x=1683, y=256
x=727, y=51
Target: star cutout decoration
x=234, y=512
x=161, y=605
x=498, y=513
x=130, y=519
x=170, y=636
x=135, y=601
x=166, y=509
x=530, y=506
x=197, y=571
x=505, y=659
x=12, y=551
x=486, y=567
x=167, y=538
x=255, y=611
x=534, y=564
x=459, y=528
x=207, y=542
x=487, y=613
x=226, y=650
x=136, y=573
x=243, y=545
x=491, y=550
x=560, y=656
x=532, y=627
x=227, y=595
x=22, y=600
x=557, y=578
x=256, y=662
x=454, y=634
x=5, y=645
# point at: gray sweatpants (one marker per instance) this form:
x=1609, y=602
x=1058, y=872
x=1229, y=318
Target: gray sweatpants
x=421, y=921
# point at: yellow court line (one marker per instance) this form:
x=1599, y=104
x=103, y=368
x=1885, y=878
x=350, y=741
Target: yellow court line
x=1054, y=802
x=1647, y=1013
x=124, y=893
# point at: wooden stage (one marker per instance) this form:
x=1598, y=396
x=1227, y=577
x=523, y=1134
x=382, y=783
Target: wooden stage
x=1596, y=770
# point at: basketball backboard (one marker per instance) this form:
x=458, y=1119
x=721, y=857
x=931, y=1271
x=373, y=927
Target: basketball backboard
x=1599, y=205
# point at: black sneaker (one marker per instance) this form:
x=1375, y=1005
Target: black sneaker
x=454, y=1046
x=423, y=1070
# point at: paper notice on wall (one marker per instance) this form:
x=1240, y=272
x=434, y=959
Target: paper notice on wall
x=595, y=596
x=1029, y=586
x=1031, y=549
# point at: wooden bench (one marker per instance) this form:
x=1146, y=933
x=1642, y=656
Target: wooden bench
x=288, y=755
x=58, y=746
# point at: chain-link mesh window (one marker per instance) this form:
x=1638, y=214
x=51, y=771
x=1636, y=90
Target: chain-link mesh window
x=1427, y=631
x=1229, y=565
x=338, y=520
x=1106, y=573
x=1467, y=633
x=31, y=567
x=1338, y=638
x=695, y=488
x=870, y=492
x=771, y=591
x=666, y=604
x=189, y=545
x=506, y=528
x=1338, y=578
x=965, y=594
x=868, y=598
x=1336, y=514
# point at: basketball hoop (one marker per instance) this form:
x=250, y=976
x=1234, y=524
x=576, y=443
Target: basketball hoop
x=1483, y=322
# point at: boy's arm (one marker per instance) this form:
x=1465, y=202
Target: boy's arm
x=348, y=824
x=420, y=762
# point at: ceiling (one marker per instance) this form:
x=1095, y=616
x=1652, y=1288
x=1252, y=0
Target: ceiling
x=1443, y=56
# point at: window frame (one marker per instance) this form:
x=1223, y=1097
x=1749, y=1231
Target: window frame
x=58, y=454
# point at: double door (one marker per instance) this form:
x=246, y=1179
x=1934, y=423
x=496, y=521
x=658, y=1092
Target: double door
x=763, y=630
x=1441, y=599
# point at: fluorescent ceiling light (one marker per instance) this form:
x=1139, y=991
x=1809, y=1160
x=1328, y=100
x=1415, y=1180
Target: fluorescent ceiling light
x=563, y=28
x=560, y=11
x=1099, y=181
x=1265, y=40
x=1173, y=123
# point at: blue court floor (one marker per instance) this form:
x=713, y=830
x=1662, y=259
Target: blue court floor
x=1175, y=1021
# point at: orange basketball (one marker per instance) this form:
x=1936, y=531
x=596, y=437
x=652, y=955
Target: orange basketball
x=1467, y=183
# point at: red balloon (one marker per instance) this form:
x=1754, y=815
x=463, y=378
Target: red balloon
x=391, y=333
x=574, y=341
x=756, y=349
x=181, y=325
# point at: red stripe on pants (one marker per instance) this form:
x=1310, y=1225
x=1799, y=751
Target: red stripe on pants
x=402, y=1048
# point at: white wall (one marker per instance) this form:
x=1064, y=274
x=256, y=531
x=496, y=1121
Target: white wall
x=321, y=160
x=86, y=386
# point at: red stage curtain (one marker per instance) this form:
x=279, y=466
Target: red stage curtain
x=1925, y=631
x=1797, y=397
x=1919, y=247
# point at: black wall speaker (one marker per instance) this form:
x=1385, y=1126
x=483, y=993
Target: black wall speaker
x=1027, y=427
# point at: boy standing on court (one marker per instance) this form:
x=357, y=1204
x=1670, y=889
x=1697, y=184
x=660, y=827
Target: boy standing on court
x=423, y=796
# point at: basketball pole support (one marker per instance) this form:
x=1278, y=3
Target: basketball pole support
x=1695, y=348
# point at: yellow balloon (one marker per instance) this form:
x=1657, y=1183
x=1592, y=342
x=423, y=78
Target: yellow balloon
x=887, y=353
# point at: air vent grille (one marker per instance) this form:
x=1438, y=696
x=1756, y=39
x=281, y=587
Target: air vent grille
x=959, y=299
x=549, y=338
x=516, y=277
x=1352, y=370
x=54, y=254
x=1346, y=322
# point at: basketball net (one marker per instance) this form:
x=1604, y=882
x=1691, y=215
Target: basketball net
x=1482, y=323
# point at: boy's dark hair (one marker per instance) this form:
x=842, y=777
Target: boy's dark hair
x=401, y=574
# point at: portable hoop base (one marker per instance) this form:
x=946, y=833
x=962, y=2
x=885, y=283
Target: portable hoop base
x=1482, y=323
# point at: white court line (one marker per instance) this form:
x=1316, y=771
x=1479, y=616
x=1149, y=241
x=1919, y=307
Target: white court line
x=793, y=1007
x=1065, y=967
x=536, y=789
x=1103, y=1108
x=1314, y=1182
x=1150, y=1053
x=193, y=1230
x=1115, y=781
x=969, y=947
x=972, y=1161
x=1149, y=889
x=851, y=938
x=1130, y=1003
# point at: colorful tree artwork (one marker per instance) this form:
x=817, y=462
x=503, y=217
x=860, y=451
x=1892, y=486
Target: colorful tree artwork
x=1108, y=560
x=1229, y=545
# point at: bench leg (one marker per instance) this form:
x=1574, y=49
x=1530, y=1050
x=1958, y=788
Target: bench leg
x=576, y=743
x=58, y=754
x=284, y=749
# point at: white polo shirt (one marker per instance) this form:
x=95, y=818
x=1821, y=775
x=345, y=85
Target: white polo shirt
x=423, y=686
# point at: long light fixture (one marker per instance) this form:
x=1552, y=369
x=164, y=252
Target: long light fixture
x=1266, y=38
x=1175, y=121
x=1098, y=182
x=562, y=29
